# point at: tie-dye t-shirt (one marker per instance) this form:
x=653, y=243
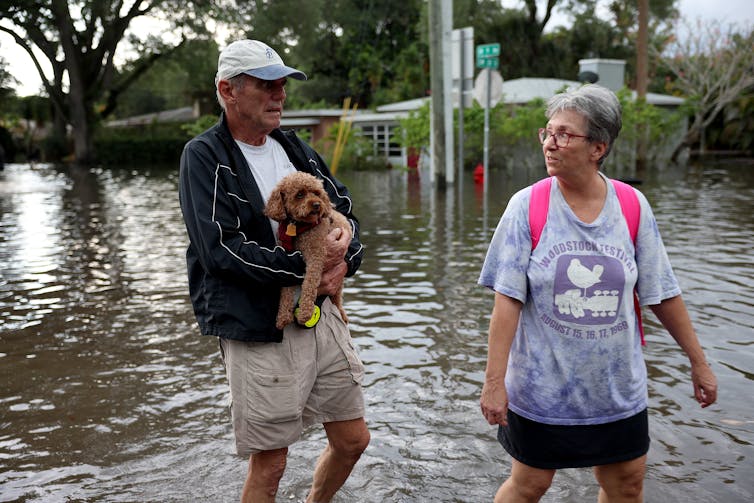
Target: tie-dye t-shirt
x=576, y=357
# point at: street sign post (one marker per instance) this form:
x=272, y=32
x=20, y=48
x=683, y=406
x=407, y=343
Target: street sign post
x=487, y=58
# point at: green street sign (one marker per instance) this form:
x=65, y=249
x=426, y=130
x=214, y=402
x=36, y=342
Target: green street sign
x=493, y=63
x=487, y=51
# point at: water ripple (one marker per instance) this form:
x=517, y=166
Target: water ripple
x=111, y=395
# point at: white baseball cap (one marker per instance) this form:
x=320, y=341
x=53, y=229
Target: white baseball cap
x=254, y=58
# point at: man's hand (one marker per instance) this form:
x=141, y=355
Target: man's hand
x=337, y=242
x=335, y=268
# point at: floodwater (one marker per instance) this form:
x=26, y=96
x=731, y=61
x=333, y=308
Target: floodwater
x=108, y=393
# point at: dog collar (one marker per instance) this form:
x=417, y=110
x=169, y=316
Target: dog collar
x=291, y=230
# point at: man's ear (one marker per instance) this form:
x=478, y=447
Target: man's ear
x=225, y=88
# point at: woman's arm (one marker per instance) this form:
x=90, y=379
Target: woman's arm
x=675, y=318
x=494, y=400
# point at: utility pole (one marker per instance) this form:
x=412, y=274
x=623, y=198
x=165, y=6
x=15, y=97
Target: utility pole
x=642, y=75
x=441, y=141
x=447, y=95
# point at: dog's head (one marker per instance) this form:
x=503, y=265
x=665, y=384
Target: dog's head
x=300, y=197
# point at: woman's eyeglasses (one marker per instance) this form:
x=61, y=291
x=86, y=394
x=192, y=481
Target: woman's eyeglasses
x=561, y=138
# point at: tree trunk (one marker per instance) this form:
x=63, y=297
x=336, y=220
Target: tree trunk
x=642, y=75
x=82, y=125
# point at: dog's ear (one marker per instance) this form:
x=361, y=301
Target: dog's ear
x=275, y=208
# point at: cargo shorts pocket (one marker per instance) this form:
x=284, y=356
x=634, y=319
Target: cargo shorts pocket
x=355, y=366
x=273, y=398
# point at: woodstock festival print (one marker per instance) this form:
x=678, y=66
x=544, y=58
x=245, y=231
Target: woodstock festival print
x=588, y=289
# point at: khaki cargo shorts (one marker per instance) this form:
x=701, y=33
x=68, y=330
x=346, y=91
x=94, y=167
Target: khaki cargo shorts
x=277, y=389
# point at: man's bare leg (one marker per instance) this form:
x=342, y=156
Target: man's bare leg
x=346, y=441
x=265, y=471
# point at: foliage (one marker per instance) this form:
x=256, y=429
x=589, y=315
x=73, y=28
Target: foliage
x=79, y=39
x=199, y=126
x=733, y=129
x=374, y=52
x=517, y=123
x=179, y=79
x=659, y=123
x=7, y=81
x=413, y=131
x=348, y=48
x=513, y=142
x=156, y=143
x=712, y=66
x=357, y=151
x=7, y=147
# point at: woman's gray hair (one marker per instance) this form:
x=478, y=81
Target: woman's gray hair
x=236, y=82
x=598, y=105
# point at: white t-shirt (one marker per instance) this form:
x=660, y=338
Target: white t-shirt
x=576, y=357
x=269, y=164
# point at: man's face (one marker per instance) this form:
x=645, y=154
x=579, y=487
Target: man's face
x=258, y=105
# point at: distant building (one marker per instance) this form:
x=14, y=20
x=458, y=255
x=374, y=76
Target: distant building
x=381, y=124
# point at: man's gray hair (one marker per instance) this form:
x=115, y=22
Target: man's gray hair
x=236, y=82
x=598, y=105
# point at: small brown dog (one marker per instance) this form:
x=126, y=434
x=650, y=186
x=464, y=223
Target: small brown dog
x=306, y=216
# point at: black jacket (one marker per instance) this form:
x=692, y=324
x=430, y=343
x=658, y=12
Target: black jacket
x=235, y=269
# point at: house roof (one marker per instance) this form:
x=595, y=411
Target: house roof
x=525, y=89
x=176, y=115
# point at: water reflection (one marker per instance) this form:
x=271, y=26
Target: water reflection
x=109, y=394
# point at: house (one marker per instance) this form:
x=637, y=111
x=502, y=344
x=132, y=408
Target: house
x=380, y=125
x=609, y=73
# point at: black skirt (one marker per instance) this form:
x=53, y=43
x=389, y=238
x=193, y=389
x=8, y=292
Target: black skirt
x=549, y=446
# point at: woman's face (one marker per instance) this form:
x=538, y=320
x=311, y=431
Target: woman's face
x=577, y=154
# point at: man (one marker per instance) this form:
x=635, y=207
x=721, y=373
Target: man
x=280, y=381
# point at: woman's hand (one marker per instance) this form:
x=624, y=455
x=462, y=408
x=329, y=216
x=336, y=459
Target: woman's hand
x=494, y=402
x=705, y=384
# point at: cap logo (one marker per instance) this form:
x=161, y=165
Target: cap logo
x=270, y=53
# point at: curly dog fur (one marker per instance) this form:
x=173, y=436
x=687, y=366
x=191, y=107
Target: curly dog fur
x=301, y=206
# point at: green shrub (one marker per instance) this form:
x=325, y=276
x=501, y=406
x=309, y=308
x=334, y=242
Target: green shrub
x=155, y=143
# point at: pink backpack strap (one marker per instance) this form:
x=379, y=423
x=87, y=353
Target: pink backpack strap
x=629, y=205
x=539, y=205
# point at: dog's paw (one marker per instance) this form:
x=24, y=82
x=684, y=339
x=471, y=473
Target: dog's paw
x=283, y=320
x=304, y=314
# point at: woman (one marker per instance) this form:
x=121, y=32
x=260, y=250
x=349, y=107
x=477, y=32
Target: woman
x=565, y=380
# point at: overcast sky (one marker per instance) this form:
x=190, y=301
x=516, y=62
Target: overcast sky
x=740, y=12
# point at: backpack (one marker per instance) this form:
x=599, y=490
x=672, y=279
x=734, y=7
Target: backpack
x=539, y=205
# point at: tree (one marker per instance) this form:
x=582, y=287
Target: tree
x=712, y=66
x=521, y=33
x=182, y=78
x=79, y=39
x=349, y=48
